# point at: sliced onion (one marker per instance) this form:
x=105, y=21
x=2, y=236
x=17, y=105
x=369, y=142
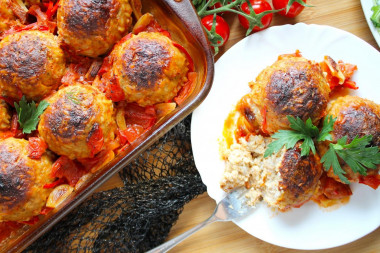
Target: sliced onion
x=58, y=195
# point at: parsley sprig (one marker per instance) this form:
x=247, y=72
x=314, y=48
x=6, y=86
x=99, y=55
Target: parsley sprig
x=305, y=131
x=28, y=114
x=357, y=154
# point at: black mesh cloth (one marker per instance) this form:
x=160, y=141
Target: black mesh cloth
x=138, y=216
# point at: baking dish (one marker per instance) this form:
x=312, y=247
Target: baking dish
x=181, y=20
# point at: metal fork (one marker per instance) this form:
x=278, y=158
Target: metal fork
x=228, y=209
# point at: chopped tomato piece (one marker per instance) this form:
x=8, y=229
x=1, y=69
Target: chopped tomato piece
x=106, y=66
x=187, y=89
x=370, y=180
x=7, y=227
x=347, y=68
x=133, y=132
x=333, y=189
x=114, y=92
x=188, y=57
x=76, y=71
x=142, y=116
x=95, y=140
x=350, y=84
x=52, y=9
x=123, y=137
x=68, y=169
x=32, y=221
x=36, y=147
x=9, y=101
x=46, y=210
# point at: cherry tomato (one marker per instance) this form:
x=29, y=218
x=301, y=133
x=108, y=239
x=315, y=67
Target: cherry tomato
x=221, y=26
x=258, y=7
x=294, y=9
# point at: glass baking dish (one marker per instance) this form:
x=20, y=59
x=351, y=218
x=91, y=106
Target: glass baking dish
x=181, y=20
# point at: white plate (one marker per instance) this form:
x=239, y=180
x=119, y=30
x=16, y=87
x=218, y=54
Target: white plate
x=367, y=5
x=309, y=227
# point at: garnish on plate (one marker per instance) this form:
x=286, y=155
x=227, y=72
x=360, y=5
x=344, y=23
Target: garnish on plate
x=305, y=131
x=357, y=154
x=28, y=114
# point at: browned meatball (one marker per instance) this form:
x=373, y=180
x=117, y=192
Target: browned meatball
x=92, y=27
x=355, y=117
x=22, y=195
x=292, y=86
x=77, y=114
x=5, y=117
x=283, y=180
x=148, y=68
x=31, y=64
x=300, y=176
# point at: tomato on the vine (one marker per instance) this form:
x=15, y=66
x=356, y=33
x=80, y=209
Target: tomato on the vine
x=221, y=26
x=258, y=6
x=294, y=9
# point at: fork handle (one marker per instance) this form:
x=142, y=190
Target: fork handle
x=173, y=242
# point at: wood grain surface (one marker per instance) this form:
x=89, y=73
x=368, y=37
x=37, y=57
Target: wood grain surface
x=226, y=236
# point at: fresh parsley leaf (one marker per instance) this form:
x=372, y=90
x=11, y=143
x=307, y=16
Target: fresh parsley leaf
x=287, y=138
x=328, y=126
x=356, y=154
x=330, y=159
x=305, y=131
x=28, y=114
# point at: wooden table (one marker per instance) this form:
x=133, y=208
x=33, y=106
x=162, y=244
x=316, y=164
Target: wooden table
x=227, y=237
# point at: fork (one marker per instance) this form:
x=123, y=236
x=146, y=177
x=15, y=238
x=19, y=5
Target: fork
x=230, y=208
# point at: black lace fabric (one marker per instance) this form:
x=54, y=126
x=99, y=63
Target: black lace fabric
x=139, y=215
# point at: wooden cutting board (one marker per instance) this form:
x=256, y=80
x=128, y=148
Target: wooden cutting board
x=227, y=237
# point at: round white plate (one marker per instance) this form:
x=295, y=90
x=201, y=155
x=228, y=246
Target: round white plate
x=309, y=227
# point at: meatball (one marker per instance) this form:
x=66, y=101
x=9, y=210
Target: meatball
x=77, y=116
x=283, y=180
x=299, y=178
x=7, y=17
x=148, y=68
x=31, y=64
x=355, y=117
x=22, y=195
x=5, y=117
x=291, y=86
x=92, y=27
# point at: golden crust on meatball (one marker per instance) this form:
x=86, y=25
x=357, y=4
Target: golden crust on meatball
x=355, y=117
x=92, y=27
x=291, y=86
x=31, y=64
x=5, y=117
x=76, y=113
x=149, y=68
x=300, y=176
x=22, y=195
